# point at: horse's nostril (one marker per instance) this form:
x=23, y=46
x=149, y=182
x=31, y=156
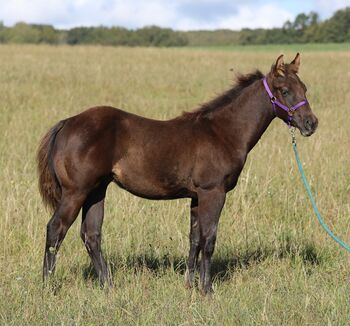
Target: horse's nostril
x=308, y=124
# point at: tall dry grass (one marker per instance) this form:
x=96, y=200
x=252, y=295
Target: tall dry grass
x=273, y=264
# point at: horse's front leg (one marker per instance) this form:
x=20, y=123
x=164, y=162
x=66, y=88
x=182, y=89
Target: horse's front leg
x=194, y=244
x=210, y=204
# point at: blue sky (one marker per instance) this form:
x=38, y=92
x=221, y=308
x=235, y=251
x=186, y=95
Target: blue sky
x=177, y=14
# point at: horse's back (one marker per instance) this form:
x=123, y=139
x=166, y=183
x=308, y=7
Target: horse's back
x=150, y=158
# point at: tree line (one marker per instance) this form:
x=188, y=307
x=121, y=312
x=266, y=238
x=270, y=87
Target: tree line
x=306, y=28
x=36, y=34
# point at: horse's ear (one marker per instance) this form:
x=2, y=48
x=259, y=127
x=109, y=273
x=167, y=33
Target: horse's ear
x=279, y=68
x=295, y=64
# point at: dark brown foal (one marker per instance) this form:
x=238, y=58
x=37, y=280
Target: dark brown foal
x=198, y=155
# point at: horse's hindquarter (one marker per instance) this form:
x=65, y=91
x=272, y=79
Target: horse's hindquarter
x=84, y=153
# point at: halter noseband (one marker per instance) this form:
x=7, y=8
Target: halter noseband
x=275, y=102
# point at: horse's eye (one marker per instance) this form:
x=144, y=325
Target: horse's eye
x=284, y=91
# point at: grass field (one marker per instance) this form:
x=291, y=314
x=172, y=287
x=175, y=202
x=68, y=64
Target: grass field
x=272, y=265
x=286, y=48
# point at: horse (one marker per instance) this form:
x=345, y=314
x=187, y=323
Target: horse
x=198, y=155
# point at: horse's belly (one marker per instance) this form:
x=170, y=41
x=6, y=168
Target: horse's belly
x=149, y=184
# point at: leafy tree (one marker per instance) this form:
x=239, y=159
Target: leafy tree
x=156, y=36
x=2, y=32
x=336, y=29
x=47, y=34
x=147, y=36
x=23, y=33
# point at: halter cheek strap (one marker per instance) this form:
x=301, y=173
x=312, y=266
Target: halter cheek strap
x=275, y=102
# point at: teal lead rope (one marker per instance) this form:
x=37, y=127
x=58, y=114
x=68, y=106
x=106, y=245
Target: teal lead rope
x=308, y=190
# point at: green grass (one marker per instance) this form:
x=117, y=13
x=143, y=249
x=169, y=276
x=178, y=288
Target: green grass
x=273, y=264
x=276, y=48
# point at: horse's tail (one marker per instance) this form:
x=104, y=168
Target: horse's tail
x=49, y=186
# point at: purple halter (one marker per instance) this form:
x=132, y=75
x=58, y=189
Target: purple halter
x=275, y=102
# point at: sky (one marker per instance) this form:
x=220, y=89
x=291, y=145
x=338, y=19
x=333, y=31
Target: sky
x=176, y=14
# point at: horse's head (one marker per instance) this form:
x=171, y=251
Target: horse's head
x=290, y=91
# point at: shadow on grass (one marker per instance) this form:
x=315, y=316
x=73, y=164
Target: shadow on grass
x=136, y=263
x=223, y=266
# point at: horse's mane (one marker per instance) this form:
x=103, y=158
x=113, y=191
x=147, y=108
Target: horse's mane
x=242, y=82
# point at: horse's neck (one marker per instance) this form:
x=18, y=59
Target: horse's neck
x=243, y=123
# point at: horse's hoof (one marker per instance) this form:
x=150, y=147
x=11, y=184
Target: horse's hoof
x=188, y=285
x=208, y=293
x=188, y=281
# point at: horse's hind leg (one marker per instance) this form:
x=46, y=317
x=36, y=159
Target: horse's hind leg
x=93, y=212
x=57, y=228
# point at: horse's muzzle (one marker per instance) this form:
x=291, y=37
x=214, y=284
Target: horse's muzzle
x=309, y=126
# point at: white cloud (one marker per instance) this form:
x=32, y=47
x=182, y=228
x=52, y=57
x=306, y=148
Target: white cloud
x=33, y=11
x=265, y=16
x=69, y=13
x=177, y=14
x=141, y=13
x=327, y=7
